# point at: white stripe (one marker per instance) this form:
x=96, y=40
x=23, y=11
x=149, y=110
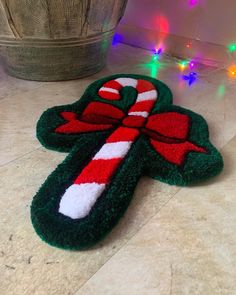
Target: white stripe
x=107, y=89
x=127, y=82
x=148, y=95
x=142, y=114
x=79, y=199
x=113, y=150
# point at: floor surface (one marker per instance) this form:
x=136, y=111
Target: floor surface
x=171, y=241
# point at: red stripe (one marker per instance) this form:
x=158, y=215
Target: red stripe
x=109, y=95
x=142, y=106
x=123, y=134
x=113, y=84
x=144, y=86
x=103, y=109
x=98, y=171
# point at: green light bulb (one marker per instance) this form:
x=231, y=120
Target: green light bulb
x=232, y=47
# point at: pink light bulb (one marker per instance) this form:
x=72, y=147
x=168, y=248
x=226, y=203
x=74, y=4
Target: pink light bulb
x=193, y=2
x=192, y=65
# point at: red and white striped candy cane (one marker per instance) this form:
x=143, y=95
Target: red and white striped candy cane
x=81, y=196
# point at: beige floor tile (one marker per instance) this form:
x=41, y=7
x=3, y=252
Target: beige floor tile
x=10, y=86
x=20, y=113
x=30, y=266
x=189, y=247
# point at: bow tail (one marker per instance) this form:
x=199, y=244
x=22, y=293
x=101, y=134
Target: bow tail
x=74, y=125
x=175, y=152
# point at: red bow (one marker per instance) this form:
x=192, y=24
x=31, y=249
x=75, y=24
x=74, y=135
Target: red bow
x=167, y=131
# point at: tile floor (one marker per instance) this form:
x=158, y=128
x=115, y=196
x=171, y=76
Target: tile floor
x=171, y=241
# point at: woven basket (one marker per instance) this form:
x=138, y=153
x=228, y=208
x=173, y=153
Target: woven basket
x=50, y=40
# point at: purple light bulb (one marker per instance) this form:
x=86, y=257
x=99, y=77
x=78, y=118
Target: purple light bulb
x=191, y=65
x=193, y=2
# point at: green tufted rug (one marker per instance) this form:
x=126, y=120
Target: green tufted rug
x=123, y=127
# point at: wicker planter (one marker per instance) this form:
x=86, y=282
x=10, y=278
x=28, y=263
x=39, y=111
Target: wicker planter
x=49, y=40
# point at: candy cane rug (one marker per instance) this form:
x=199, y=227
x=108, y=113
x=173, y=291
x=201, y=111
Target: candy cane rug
x=123, y=127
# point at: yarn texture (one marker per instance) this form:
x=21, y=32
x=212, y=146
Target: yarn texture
x=123, y=127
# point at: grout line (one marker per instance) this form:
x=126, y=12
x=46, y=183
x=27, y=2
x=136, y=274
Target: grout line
x=233, y=136
x=22, y=156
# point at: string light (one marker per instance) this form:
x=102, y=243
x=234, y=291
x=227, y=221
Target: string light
x=232, y=47
x=117, y=39
x=183, y=64
x=157, y=53
x=221, y=91
x=191, y=78
x=189, y=45
x=232, y=71
x=192, y=64
x=154, y=68
x=193, y=2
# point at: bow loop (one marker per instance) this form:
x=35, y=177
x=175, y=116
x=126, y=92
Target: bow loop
x=168, y=134
x=170, y=124
x=97, y=116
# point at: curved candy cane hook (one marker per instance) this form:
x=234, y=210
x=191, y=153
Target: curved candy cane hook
x=81, y=196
